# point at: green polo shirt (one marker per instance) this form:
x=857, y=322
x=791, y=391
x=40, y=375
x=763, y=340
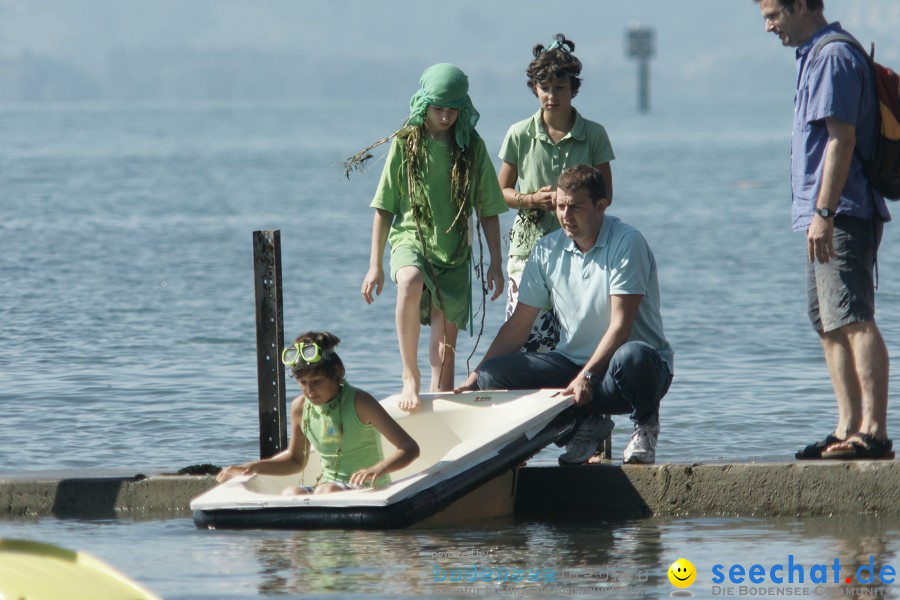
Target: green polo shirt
x=540, y=162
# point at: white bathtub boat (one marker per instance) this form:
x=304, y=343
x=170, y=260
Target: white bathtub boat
x=470, y=447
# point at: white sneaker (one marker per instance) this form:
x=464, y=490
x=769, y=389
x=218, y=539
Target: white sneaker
x=641, y=448
x=587, y=440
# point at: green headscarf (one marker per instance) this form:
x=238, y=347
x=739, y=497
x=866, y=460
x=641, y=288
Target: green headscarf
x=446, y=86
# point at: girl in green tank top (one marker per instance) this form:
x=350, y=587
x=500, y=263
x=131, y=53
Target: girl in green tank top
x=344, y=425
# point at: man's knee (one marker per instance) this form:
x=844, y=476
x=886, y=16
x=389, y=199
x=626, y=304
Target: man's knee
x=637, y=366
x=526, y=370
x=490, y=377
x=503, y=372
x=633, y=356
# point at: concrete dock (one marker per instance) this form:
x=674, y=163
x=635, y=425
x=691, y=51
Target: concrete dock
x=764, y=489
x=606, y=491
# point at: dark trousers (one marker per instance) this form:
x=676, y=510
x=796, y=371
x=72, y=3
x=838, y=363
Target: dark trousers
x=635, y=382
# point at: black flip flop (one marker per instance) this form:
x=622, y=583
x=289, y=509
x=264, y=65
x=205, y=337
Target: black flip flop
x=814, y=450
x=861, y=446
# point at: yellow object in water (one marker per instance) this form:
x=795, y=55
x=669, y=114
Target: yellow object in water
x=36, y=571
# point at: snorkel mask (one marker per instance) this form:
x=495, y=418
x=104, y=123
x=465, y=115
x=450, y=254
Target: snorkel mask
x=307, y=352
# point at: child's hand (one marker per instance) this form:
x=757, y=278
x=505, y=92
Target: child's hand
x=495, y=280
x=545, y=198
x=229, y=472
x=374, y=280
x=365, y=477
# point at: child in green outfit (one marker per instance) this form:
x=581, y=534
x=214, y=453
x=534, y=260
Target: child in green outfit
x=535, y=152
x=437, y=176
x=343, y=423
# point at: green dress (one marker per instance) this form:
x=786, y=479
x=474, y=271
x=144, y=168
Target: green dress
x=447, y=248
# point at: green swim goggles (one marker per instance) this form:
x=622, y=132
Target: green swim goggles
x=309, y=352
x=559, y=74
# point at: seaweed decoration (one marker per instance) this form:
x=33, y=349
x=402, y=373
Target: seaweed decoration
x=358, y=162
x=463, y=188
x=527, y=229
x=482, y=277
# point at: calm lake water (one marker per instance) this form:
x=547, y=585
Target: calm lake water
x=594, y=559
x=127, y=331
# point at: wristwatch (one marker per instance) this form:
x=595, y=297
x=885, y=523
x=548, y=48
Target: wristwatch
x=588, y=375
x=824, y=212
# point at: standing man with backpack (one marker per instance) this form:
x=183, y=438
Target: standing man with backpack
x=842, y=215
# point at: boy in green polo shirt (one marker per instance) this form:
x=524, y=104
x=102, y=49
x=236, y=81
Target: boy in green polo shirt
x=534, y=154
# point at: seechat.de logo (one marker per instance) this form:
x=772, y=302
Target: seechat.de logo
x=794, y=572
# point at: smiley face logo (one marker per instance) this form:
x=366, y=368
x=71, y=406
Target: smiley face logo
x=682, y=573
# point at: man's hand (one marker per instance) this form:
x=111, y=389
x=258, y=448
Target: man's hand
x=838, y=156
x=820, y=239
x=469, y=385
x=581, y=388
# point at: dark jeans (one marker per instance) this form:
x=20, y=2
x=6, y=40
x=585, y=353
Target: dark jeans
x=635, y=382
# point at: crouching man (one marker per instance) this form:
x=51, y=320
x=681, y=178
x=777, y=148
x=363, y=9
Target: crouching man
x=599, y=276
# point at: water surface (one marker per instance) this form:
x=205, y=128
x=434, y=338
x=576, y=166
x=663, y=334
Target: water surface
x=127, y=329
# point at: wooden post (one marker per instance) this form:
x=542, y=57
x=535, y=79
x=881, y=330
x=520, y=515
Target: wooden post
x=269, y=343
x=644, y=85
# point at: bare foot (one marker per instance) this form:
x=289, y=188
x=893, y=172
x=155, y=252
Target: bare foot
x=409, y=397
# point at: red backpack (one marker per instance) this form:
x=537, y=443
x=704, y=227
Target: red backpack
x=883, y=168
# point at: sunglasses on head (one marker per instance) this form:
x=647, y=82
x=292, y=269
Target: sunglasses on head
x=558, y=74
x=308, y=352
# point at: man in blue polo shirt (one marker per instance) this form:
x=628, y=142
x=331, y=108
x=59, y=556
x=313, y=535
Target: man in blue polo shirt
x=834, y=112
x=599, y=275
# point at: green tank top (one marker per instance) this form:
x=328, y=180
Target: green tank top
x=344, y=443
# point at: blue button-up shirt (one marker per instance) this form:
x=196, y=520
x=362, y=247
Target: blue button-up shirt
x=838, y=84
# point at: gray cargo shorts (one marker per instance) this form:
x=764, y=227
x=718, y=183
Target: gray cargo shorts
x=842, y=291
